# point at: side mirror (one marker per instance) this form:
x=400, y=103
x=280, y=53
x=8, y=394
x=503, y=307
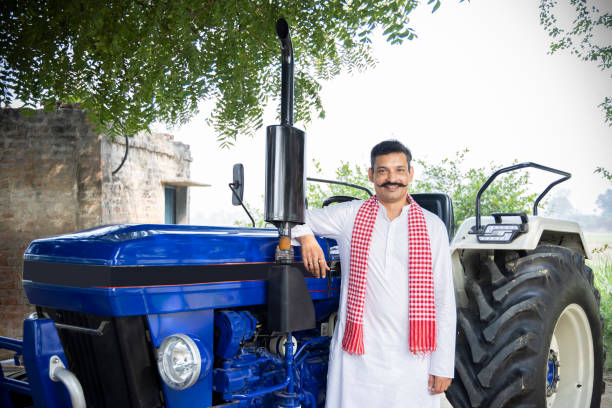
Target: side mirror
x=237, y=184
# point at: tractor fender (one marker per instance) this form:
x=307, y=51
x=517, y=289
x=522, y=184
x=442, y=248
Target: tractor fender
x=540, y=231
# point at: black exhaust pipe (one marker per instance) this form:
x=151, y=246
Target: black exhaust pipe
x=282, y=30
x=290, y=306
x=285, y=152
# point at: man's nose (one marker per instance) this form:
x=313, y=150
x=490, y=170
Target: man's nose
x=393, y=176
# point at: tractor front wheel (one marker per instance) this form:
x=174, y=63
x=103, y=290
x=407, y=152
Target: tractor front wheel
x=532, y=333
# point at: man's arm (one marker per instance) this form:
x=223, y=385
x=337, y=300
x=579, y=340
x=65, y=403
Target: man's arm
x=327, y=222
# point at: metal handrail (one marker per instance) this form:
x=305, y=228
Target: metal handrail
x=566, y=176
x=58, y=372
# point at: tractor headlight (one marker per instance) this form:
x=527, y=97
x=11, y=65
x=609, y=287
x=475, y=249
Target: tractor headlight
x=179, y=361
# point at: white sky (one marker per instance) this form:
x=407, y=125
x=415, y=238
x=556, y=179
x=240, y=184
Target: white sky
x=479, y=76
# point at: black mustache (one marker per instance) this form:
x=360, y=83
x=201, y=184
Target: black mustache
x=388, y=183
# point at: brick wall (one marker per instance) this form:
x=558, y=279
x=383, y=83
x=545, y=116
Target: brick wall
x=135, y=193
x=56, y=177
x=50, y=183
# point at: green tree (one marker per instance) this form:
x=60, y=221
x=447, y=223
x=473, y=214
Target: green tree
x=604, y=173
x=587, y=36
x=132, y=62
x=258, y=217
x=317, y=192
x=508, y=193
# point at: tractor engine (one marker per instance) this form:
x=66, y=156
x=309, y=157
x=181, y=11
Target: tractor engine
x=249, y=362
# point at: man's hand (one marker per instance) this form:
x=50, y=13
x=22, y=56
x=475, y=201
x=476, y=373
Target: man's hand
x=312, y=254
x=437, y=385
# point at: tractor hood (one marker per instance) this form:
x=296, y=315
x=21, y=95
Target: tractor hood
x=156, y=245
x=116, y=260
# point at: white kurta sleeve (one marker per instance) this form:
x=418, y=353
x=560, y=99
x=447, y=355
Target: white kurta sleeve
x=442, y=361
x=327, y=222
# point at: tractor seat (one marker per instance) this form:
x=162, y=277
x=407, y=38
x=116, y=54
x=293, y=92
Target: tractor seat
x=441, y=205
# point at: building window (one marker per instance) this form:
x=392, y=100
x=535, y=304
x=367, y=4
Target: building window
x=170, y=207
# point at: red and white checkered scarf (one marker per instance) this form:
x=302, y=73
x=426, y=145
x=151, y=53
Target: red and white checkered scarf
x=422, y=309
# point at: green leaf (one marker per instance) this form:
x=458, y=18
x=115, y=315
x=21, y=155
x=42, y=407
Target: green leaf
x=135, y=63
x=437, y=6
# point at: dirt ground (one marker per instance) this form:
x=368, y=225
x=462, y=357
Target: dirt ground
x=606, y=400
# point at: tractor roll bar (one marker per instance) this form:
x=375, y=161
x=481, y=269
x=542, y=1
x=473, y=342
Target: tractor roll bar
x=566, y=176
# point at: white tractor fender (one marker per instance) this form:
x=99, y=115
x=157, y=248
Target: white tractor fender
x=541, y=230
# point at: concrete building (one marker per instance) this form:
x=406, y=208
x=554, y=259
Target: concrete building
x=56, y=177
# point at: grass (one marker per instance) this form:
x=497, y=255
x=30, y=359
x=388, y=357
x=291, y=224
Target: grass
x=602, y=267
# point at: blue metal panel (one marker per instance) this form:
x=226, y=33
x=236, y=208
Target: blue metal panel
x=8, y=343
x=163, y=299
x=161, y=245
x=40, y=342
x=5, y=400
x=200, y=324
x=10, y=384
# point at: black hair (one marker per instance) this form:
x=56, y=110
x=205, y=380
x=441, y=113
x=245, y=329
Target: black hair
x=389, y=146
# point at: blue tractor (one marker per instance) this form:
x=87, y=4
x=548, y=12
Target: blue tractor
x=147, y=316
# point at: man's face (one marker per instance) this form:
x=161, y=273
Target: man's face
x=391, y=177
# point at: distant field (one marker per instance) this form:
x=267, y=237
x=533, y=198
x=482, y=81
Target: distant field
x=598, y=237
x=598, y=241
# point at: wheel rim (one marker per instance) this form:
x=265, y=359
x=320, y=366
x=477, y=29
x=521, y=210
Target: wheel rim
x=570, y=365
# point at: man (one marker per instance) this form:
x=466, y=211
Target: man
x=394, y=341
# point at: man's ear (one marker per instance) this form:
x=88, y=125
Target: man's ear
x=371, y=174
x=411, y=175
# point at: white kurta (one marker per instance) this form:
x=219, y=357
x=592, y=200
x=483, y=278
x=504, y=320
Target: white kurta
x=388, y=374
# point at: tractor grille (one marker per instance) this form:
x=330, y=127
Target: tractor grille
x=116, y=369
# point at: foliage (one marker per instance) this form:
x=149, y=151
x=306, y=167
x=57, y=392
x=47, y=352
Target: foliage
x=587, y=37
x=130, y=63
x=317, y=193
x=604, y=173
x=258, y=217
x=560, y=207
x=602, y=268
x=508, y=193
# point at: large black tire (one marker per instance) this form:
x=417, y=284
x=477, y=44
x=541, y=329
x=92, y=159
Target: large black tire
x=504, y=335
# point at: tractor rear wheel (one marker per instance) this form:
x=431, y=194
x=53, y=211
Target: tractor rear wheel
x=532, y=333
